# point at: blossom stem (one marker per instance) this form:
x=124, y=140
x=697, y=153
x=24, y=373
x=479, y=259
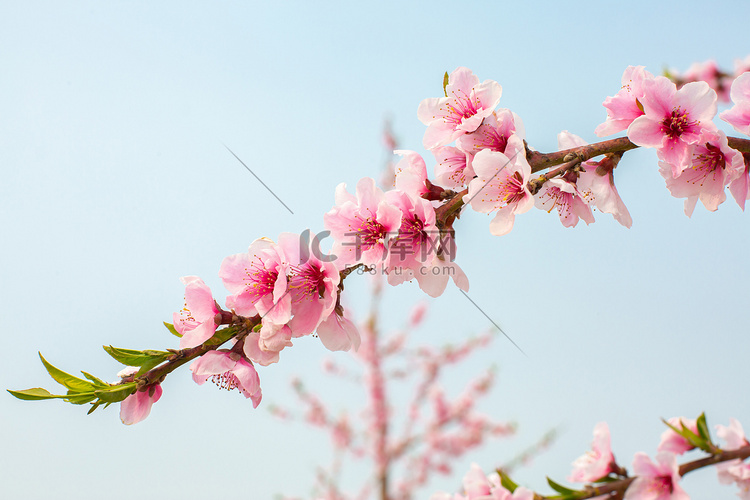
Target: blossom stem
x=541, y=161
x=182, y=356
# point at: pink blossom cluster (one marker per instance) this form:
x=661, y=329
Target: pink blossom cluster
x=657, y=479
x=709, y=72
x=695, y=158
x=406, y=232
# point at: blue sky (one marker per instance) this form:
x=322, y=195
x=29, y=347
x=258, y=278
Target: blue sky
x=116, y=182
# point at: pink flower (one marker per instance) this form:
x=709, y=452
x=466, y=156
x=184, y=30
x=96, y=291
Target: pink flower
x=313, y=284
x=673, y=442
x=501, y=184
x=338, y=333
x=258, y=282
x=734, y=435
x=598, y=462
x=467, y=103
x=596, y=182
x=492, y=134
x=673, y=119
x=228, y=370
x=740, y=187
x=411, y=173
x=562, y=194
x=734, y=471
x=360, y=225
x=739, y=115
x=660, y=481
x=451, y=169
x=624, y=107
x=196, y=319
x=711, y=166
x=264, y=346
x=709, y=72
x=137, y=406
x=413, y=245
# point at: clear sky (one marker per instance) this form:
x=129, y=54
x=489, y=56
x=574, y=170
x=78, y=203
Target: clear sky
x=116, y=182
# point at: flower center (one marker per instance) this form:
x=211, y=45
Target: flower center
x=226, y=380
x=460, y=107
x=371, y=232
x=710, y=162
x=262, y=280
x=674, y=125
x=307, y=281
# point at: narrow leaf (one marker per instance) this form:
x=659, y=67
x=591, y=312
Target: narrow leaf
x=115, y=393
x=172, y=329
x=560, y=488
x=131, y=357
x=703, y=427
x=95, y=380
x=73, y=383
x=80, y=398
x=35, y=394
x=506, y=481
x=446, y=79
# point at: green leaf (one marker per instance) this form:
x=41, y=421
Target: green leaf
x=131, y=357
x=80, y=398
x=35, y=394
x=446, y=79
x=172, y=329
x=560, y=488
x=95, y=380
x=115, y=393
x=73, y=383
x=703, y=428
x=506, y=481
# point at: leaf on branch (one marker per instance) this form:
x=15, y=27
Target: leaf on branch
x=115, y=393
x=73, y=383
x=131, y=357
x=172, y=329
x=35, y=394
x=506, y=481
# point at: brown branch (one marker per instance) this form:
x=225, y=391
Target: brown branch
x=541, y=161
x=621, y=485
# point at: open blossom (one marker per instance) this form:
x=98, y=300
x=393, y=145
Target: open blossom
x=739, y=115
x=501, y=184
x=673, y=442
x=673, y=120
x=451, y=169
x=313, y=283
x=257, y=281
x=228, y=370
x=563, y=195
x=711, y=166
x=195, y=321
x=598, y=462
x=361, y=225
x=596, y=181
x=137, y=406
x=492, y=134
x=623, y=107
x=413, y=244
x=656, y=481
x=468, y=102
